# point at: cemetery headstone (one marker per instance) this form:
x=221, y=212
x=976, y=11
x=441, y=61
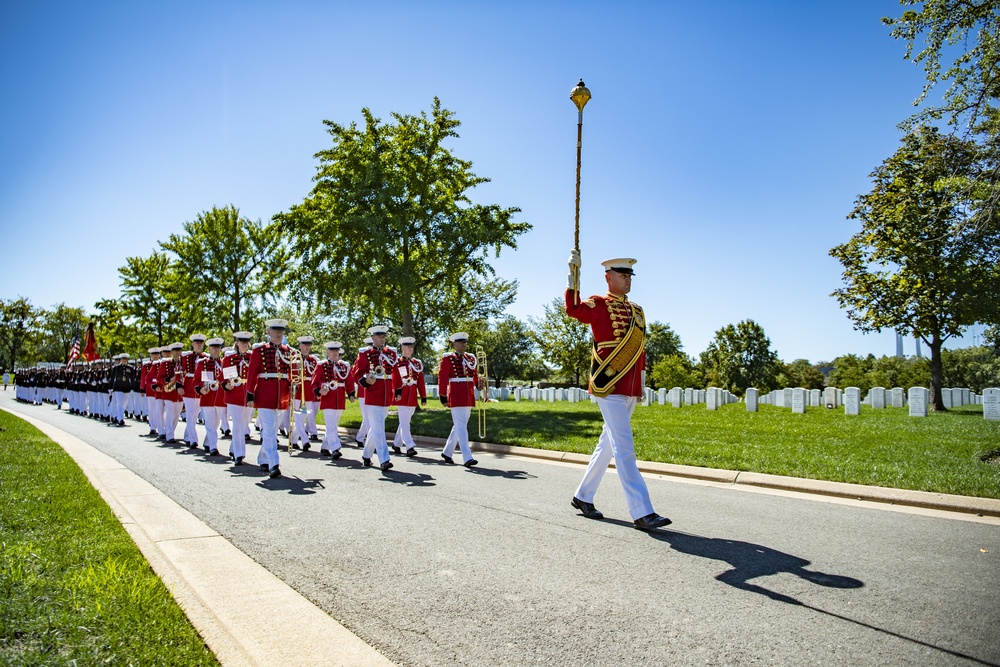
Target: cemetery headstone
x=799, y=401
x=991, y=404
x=852, y=401
x=918, y=401
x=751, y=399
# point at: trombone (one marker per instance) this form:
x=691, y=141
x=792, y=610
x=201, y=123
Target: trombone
x=296, y=376
x=484, y=393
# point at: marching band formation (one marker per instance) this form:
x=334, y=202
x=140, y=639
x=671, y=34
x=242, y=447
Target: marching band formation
x=223, y=388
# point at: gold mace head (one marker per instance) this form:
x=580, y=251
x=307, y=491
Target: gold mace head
x=580, y=96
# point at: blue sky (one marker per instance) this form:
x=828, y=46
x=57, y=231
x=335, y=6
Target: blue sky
x=723, y=148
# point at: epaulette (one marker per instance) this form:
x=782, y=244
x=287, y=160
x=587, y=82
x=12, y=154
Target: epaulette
x=448, y=354
x=590, y=303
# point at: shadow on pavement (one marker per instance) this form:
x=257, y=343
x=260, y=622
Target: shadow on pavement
x=397, y=476
x=293, y=485
x=508, y=474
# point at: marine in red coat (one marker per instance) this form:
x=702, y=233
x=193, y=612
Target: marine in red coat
x=268, y=387
x=208, y=385
x=408, y=385
x=235, y=366
x=458, y=379
x=332, y=384
x=373, y=370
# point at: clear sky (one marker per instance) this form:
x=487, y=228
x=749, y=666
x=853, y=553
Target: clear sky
x=723, y=148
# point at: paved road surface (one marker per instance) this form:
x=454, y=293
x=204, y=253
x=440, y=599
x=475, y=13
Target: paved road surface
x=440, y=565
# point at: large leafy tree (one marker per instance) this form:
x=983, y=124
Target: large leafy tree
x=674, y=370
x=18, y=325
x=800, y=373
x=510, y=348
x=740, y=356
x=58, y=327
x=913, y=268
x=661, y=342
x=225, y=266
x=565, y=343
x=390, y=228
x=146, y=296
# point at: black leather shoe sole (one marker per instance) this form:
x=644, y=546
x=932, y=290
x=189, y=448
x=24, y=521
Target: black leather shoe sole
x=651, y=522
x=587, y=509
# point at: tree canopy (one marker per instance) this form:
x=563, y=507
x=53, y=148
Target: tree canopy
x=740, y=357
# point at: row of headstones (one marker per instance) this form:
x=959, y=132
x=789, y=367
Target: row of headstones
x=713, y=397
x=496, y=394
x=550, y=394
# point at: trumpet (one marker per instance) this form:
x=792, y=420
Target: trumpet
x=485, y=391
x=170, y=386
x=237, y=381
x=214, y=385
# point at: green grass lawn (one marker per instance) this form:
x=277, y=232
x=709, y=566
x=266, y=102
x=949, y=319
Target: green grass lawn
x=74, y=588
x=878, y=447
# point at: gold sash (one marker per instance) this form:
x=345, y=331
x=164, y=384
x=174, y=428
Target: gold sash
x=605, y=373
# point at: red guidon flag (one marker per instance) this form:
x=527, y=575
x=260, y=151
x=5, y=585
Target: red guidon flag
x=90, y=344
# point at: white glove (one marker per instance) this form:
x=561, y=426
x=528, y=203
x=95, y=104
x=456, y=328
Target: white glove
x=574, y=268
x=574, y=259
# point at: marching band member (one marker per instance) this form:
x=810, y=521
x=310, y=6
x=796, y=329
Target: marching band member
x=154, y=402
x=457, y=382
x=407, y=384
x=373, y=369
x=359, y=437
x=234, y=370
x=268, y=388
x=208, y=378
x=192, y=404
x=169, y=379
x=619, y=328
x=304, y=414
x=331, y=382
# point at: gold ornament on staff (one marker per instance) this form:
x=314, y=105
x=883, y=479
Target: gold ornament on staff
x=580, y=96
x=484, y=393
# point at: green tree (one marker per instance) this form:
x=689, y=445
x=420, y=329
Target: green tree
x=661, y=341
x=58, y=328
x=674, y=370
x=226, y=266
x=146, y=296
x=740, y=357
x=390, y=229
x=800, y=373
x=851, y=370
x=18, y=325
x=116, y=332
x=564, y=342
x=895, y=371
x=914, y=268
x=973, y=367
x=509, y=347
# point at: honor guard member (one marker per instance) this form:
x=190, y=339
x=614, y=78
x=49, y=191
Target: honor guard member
x=407, y=385
x=305, y=414
x=268, y=389
x=138, y=393
x=332, y=383
x=208, y=386
x=616, y=381
x=154, y=403
x=373, y=369
x=168, y=380
x=192, y=403
x=359, y=437
x=234, y=373
x=457, y=382
x=121, y=386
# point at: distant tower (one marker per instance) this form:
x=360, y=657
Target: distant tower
x=918, y=347
x=899, y=345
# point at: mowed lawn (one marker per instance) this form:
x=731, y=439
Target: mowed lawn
x=74, y=588
x=941, y=452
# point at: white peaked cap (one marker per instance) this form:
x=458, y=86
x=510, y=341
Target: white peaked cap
x=305, y=339
x=407, y=340
x=333, y=345
x=199, y=338
x=378, y=329
x=243, y=335
x=619, y=264
x=216, y=341
x=277, y=324
x=458, y=335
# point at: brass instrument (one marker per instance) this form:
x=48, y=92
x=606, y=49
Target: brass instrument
x=237, y=381
x=296, y=375
x=484, y=393
x=170, y=386
x=214, y=385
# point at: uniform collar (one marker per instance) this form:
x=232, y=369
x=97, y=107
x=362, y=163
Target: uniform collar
x=614, y=297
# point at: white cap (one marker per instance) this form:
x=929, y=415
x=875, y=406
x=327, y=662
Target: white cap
x=245, y=336
x=277, y=324
x=176, y=346
x=305, y=339
x=619, y=264
x=368, y=341
x=407, y=340
x=124, y=355
x=197, y=338
x=333, y=345
x=458, y=335
x=378, y=329
x=153, y=350
x=216, y=341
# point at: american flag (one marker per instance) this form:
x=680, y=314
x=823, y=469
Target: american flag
x=74, y=350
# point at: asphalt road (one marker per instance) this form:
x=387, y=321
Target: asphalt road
x=442, y=565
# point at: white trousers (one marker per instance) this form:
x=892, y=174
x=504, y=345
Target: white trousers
x=213, y=417
x=155, y=413
x=331, y=441
x=191, y=408
x=171, y=415
x=241, y=416
x=375, y=440
x=459, y=433
x=365, y=422
x=403, y=437
x=298, y=433
x=616, y=441
x=309, y=418
x=224, y=425
x=118, y=406
x=268, y=436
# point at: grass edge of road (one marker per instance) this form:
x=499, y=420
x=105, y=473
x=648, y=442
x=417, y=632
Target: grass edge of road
x=74, y=587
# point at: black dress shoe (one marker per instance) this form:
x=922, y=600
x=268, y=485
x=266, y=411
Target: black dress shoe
x=323, y=452
x=295, y=446
x=367, y=462
x=470, y=463
x=651, y=521
x=169, y=441
x=306, y=446
x=447, y=459
x=313, y=438
x=385, y=466
x=396, y=450
x=239, y=461
x=587, y=509
x=275, y=472
x=411, y=452
x=359, y=443
x=264, y=467
x=246, y=437
x=214, y=452
x=336, y=455
x=206, y=447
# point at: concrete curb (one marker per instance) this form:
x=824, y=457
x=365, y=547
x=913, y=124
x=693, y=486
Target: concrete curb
x=188, y=556
x=878, y=494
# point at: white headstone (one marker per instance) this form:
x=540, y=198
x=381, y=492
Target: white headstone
x=898, y=399
x=878, y=397
x=815, y=398
x=991, y=404
x=946, y=397
x=966, y=397
x=688, y=396
x=661, y=396
x=751, y=398
x=830, y=397
x=676, y=397
x=799, y=399
x=852, y=401
x=711, y=398
x=786, y=397
x=918, y=401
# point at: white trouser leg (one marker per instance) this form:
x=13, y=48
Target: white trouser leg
x=616, y=441
x=284, y=421
x=238, y=445
x=268, y=436
x=403, y=437
x=459, y=433
x=171, y=415
x=224, y=420
x=331, y=442
x=365, y=422
x=191, y=408
x=213, y=416
x=298, y=435
x=311, y=428
x=118, y=406
x=375, y=440
x=154, y=422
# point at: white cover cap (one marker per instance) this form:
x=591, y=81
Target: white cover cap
x=199, y=338
x=407, y=340
x=305, y=339
x=176, y=346
x=619, y=264
x=245, y=336
x=378, y=329
x=216, y=341
x=458, y=335
x=277, y=324
x=334, y=345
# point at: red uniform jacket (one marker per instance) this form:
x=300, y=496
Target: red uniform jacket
x=144, y=375
x=188, y=362
x=237, y=395
x=608, y=316
x=169, y=371
x=308, y=370
x=380, y=362
x=457, y=379
x=408, y=376
x=268, y=383
x=213, y=369
x=341, y=381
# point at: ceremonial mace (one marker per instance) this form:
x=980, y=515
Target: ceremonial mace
x=580, y=96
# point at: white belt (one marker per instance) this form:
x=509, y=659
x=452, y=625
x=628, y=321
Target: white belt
x=189, y=375
x=459, y=379
x=272, y=376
